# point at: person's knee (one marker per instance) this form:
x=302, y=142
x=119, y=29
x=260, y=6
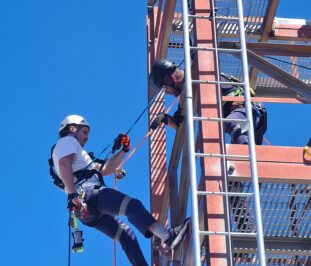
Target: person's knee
x=237, y=137
x=133, y=206
x=130, y=206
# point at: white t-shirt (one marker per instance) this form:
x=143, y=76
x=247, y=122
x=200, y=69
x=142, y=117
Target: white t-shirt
x=69, y=145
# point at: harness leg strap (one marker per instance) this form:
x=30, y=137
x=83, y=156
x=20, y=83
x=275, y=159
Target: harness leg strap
x=124, y=204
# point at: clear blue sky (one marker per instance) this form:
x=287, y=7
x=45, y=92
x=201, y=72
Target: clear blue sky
x=80, y=57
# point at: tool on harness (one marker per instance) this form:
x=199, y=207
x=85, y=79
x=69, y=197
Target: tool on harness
x=76, y=234
x=80, y=174
x=119, y=173
x=76, y=203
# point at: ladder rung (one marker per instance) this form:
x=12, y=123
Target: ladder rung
x=227, y=233
x=222, y=156
x=227, y=18
x=210, y=17
x=219, y=119
x=218, y=82
x=199, y=17
x=216, y=49
x=231, y=194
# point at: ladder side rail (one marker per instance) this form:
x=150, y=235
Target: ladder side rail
x=189, y=123
x=222, y=133
x=253, y=159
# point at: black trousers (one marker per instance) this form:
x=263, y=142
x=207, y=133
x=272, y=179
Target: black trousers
x=104, y=205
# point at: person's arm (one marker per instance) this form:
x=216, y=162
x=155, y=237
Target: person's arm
x=121, y=142
x=112, y=164
x=66, y=172
x=172, y=121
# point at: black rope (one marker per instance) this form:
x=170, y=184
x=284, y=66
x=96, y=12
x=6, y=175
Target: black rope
x=286, y=62
x=69, y=240
x=127, y=132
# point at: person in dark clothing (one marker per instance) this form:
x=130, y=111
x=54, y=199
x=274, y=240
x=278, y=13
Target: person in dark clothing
x=166, y=75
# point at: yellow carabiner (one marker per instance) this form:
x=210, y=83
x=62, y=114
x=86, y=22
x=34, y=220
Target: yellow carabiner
x=306, y=148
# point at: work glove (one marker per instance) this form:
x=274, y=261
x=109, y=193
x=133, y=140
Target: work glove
x=122, y=140
x=161, y=118
x=77, y=205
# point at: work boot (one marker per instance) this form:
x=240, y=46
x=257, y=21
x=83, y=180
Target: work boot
x=177, y=234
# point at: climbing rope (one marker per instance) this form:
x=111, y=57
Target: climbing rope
x=144, y=138
x=127, y=132
x=76, y=234
x=120, y=173
x=69, y=239
x=286, y=62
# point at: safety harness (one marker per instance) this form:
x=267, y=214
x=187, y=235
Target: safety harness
x=258, y=108
x=81, y=175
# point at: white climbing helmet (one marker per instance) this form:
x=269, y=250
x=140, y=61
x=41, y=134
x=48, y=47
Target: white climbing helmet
x=73, y=120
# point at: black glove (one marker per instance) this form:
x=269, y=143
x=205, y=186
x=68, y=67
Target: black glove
x=122, y=140
x=161, y=118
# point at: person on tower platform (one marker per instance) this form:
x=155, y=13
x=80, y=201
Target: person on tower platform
x=166, y=75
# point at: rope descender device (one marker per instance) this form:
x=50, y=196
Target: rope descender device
x=119, y=173
x=76, y=234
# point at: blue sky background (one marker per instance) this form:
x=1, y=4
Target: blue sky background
x=81, y=57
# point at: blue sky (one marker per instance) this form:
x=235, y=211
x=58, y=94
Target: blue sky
x=81, y=57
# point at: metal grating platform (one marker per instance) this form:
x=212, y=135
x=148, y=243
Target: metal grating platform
x=255, y=13
x=285, y=207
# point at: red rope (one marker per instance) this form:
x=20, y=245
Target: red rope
x=145, y=137
x=124, y=161
x=266, y=141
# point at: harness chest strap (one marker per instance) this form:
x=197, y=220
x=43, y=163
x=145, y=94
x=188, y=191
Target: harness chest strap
x=80, y=174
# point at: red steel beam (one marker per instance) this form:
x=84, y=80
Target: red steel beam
x=157, y=140
x=275, y=164
x=280, y=49
x=208, y=103
x=291, y=32
x=263, y=99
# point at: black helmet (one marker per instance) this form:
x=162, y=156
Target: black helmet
x=159, y=70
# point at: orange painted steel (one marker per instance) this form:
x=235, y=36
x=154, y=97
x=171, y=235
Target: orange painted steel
x=275, y=163
x=262, y=99
x=208, y=103
x=291, y=32
x=157, y=142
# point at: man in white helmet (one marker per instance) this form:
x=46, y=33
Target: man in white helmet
x=81, y=175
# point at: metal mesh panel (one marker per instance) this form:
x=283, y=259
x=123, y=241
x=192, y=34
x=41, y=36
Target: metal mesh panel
x=286, y=216
x=254, y=12
x=175, y=51
x=285, y=207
